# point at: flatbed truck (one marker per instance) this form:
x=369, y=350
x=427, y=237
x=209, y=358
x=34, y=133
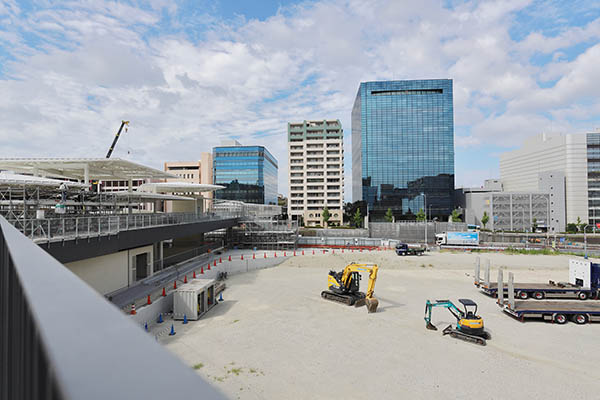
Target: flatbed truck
x=584, y=283
x=404, y=249
x=559, y=312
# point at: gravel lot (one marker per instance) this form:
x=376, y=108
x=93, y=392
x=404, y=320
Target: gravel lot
x=275, y=338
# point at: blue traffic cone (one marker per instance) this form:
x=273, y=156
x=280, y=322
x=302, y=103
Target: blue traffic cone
x=172, y=330
x=146, y=327
x=160, y=319
x=221, y=296
x=184, y=319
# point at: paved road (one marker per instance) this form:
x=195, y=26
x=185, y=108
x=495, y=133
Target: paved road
x=153, y=285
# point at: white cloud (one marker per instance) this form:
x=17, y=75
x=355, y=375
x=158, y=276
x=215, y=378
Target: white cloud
x=98, y=62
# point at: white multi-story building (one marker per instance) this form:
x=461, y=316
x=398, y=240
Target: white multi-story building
x=198, y=172
x=316, y=171
x=572, y=156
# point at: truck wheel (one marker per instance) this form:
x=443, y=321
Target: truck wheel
x=582, y=295
x=523, y=295
x=580, y=319
x=560, y=319
x=538, y=295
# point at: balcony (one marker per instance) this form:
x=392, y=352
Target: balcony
x=60, y=340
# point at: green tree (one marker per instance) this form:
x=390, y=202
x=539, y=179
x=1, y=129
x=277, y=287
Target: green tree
x=579, y=224
x=534, y=225
x=420, y=215
x=571, y=228
x=357, y=218
x=389, y=216
x=485, y=219
x=456, y=216
x=326, y=215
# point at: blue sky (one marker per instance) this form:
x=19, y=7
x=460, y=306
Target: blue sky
x=190, y=73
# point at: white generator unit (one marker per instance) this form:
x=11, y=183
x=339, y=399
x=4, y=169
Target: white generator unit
x=194, y=299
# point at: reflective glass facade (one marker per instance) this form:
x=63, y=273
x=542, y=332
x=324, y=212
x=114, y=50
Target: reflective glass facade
x=249, y=174
x=403, y=146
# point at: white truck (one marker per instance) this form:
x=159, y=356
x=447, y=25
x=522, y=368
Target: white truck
x=457, y=239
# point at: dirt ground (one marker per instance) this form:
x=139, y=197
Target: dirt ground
x=275, y=338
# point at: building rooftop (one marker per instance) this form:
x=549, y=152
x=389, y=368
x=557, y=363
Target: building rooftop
x=83, y=168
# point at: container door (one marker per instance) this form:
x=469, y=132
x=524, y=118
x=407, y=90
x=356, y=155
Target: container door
x=201, y=303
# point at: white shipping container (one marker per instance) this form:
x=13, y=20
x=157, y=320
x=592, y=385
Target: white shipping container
x=193, y=299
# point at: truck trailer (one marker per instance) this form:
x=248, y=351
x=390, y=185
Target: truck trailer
x=457, y=239
x=584, y=283
x=559, y=312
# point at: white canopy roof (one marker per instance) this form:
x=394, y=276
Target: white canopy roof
x=150, y=196
x=75, y=168
x=12, y=179
x=177, y=187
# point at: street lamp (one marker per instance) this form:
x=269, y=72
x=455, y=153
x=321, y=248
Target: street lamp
x=425, y=210
x=585, y=241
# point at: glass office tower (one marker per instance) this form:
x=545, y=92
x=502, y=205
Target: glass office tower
x=249, y=174
x=403, y=147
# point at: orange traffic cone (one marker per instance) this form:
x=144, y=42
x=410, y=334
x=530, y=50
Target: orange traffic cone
x=133, y=309
x=285, y=255
x=185, y=279
x=275, y=254
x=229, y=258
x=194, y=275
x=265, y=255
x=174, y=284
x=294, y=253
x=164, y=293
x=242, y=257
x=254, y=256
x=149, y=301
x=201, y=270
x=220, y=260
x=215, y=263
x=208, y=266
x=302, y=252
x=313, y=252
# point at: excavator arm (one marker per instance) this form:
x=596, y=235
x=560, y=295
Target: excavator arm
x=440, y=303
x=370, y=268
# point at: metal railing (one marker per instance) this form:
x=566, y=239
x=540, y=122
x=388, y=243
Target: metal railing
x=61, y=340
x=89, y=226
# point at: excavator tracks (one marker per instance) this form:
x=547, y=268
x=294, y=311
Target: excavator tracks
x=338, y=298
x=449, y=330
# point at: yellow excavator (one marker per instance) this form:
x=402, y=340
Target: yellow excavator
x=344, y=286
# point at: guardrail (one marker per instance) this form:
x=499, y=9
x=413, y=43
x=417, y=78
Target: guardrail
x=90, y=226
x=59, y=339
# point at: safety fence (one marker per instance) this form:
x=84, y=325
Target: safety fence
x=60, y=340
x=69, y=227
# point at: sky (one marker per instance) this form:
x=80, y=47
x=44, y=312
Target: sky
x=188, y=74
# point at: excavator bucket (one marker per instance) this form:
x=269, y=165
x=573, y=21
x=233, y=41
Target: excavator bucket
x=430, y=326
x=372, y=304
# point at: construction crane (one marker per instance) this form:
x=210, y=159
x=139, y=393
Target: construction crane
x=112, y=146
x=469, y=325
x=344, y=286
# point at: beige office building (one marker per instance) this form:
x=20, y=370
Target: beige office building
x=199, y=172
x=316, y=171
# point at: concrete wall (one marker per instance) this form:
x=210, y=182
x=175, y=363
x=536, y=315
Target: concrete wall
x=105, y=273
x=412, y=232
x=554, y=184
x=112, y=271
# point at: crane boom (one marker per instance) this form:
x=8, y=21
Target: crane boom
x=112, y=146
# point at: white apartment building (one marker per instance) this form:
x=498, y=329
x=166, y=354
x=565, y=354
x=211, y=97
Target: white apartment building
x=526, y=169
x=316, y=171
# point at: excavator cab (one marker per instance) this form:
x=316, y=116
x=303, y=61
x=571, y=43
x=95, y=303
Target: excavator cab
x=469, y=313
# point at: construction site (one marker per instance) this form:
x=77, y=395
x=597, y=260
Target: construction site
x=274, y=335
